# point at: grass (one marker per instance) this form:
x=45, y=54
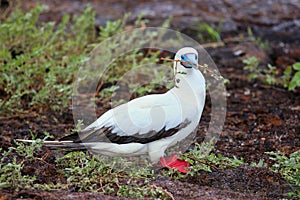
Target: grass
x=39, y=62
x=207, y=33
x=268, y=75
x=11, y=166
x=290, y=79
x=202, y=158
x=83, y=172
x=257, y=40
x=289, y=168
x=87, y=172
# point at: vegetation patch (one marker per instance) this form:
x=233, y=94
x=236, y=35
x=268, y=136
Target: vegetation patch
x=39, y=62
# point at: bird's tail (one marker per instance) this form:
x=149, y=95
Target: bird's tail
x=73, y=141
x=56, y=144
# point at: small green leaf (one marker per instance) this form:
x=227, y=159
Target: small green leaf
x=295, y=81
x=296, y=66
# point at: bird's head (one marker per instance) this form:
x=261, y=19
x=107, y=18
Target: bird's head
x=188, y=57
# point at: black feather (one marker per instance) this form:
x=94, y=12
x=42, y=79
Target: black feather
x=105, y=134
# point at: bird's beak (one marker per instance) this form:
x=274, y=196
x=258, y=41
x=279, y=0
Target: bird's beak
x=189, y=60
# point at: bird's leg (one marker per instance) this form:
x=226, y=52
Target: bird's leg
x=175, y=163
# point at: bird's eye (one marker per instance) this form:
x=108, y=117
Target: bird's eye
x=182, y=57
x=196, y=57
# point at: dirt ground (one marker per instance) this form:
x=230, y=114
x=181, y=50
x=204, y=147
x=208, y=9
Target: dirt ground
x=259, y=118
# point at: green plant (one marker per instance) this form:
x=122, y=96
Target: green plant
x=112, y=27
x=51, y=54
x=202, y=158
x=255, y=72
x=87, y=172
x=268, y=76
x=289, y=81
x=11, y=175
x=258, y=40
x=288, y=167
x=38, y=61
x=286, y=77
x=251, y=64
x=11, y=167
x=260, y=163
x=134, y=66
x=83, y=172
x=142, y=192
x=207, y=33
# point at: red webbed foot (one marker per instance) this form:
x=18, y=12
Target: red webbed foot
x=175, y=163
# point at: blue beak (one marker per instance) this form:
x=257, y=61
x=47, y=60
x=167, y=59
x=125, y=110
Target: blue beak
x=189, y=60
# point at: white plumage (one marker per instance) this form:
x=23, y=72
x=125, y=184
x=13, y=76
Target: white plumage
x=152, y=123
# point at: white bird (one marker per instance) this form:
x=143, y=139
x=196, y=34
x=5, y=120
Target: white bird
x=150, y=124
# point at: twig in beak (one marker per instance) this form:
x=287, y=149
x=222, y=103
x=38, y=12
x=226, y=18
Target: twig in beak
x=203, y=68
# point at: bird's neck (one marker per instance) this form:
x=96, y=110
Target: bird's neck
x=193, y=80
x=190, y=87
x=190, y=95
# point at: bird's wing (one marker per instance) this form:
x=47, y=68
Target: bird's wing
x=141, y=120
